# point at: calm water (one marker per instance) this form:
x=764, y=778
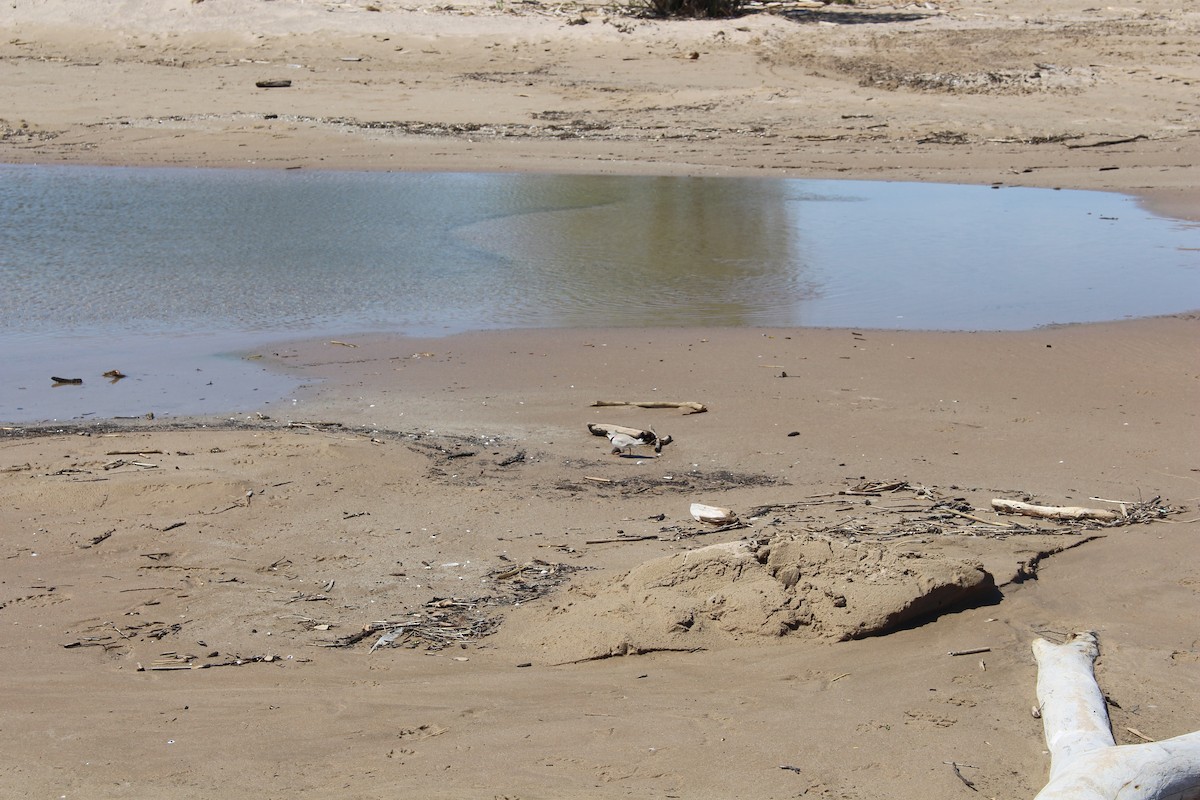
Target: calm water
x=156, y=271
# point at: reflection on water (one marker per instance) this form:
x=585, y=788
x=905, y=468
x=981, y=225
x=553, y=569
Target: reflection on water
x=166, y=251
x=97, y=261
x=653, y=252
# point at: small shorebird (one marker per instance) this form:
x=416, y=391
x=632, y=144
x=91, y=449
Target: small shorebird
x=622, y=442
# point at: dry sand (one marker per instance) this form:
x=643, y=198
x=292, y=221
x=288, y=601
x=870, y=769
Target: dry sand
x=452, y=484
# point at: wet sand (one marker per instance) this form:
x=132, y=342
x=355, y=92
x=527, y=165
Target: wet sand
x=451, y=463
x=417, y=475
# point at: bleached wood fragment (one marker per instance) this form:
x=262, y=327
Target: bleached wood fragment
x=1053, y=512
x=1085, y=762
x=644, y=436
x=606, y=429
x=713, y=515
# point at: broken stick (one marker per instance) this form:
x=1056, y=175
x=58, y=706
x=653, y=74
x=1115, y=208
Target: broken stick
x=972, y=517
x=1054, y=512
x=617, y=539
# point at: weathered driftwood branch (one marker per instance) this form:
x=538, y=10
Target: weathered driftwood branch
x=1054, y=512
x=605, y=429
x=1085, y=761
x=695, y=408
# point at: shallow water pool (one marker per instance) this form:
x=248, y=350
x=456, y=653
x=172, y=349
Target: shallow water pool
x=160, y=271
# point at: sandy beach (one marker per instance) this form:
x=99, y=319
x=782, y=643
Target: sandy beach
x=423, y=573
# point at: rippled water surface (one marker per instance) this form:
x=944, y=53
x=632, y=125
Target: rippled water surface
x=173, y=266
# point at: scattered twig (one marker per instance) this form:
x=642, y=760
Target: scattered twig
x=733, y=526
x=1139, y=734
x=876, y=487
x=100, y=537
x=622, y=539
x=965, y=515
x=174, y=661
x=1108, y=142
x=513, y=459
x=759, y=511
x=629, y=651
x=958, y=773
x=307, y=598
x=970, y=652
x=351, y=639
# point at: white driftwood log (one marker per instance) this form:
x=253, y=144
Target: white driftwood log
x=1054, y=512
x=1085, y=761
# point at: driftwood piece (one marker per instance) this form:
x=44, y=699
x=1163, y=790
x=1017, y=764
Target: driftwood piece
x=713, y=515
x=1085, y=761
x=692, y=407
x=608, y=430
x=970, y=651
x=1054, y=512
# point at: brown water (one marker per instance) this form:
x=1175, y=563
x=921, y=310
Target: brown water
x=157, y=272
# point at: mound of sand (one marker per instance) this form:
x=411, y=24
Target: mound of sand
x=788, y=585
